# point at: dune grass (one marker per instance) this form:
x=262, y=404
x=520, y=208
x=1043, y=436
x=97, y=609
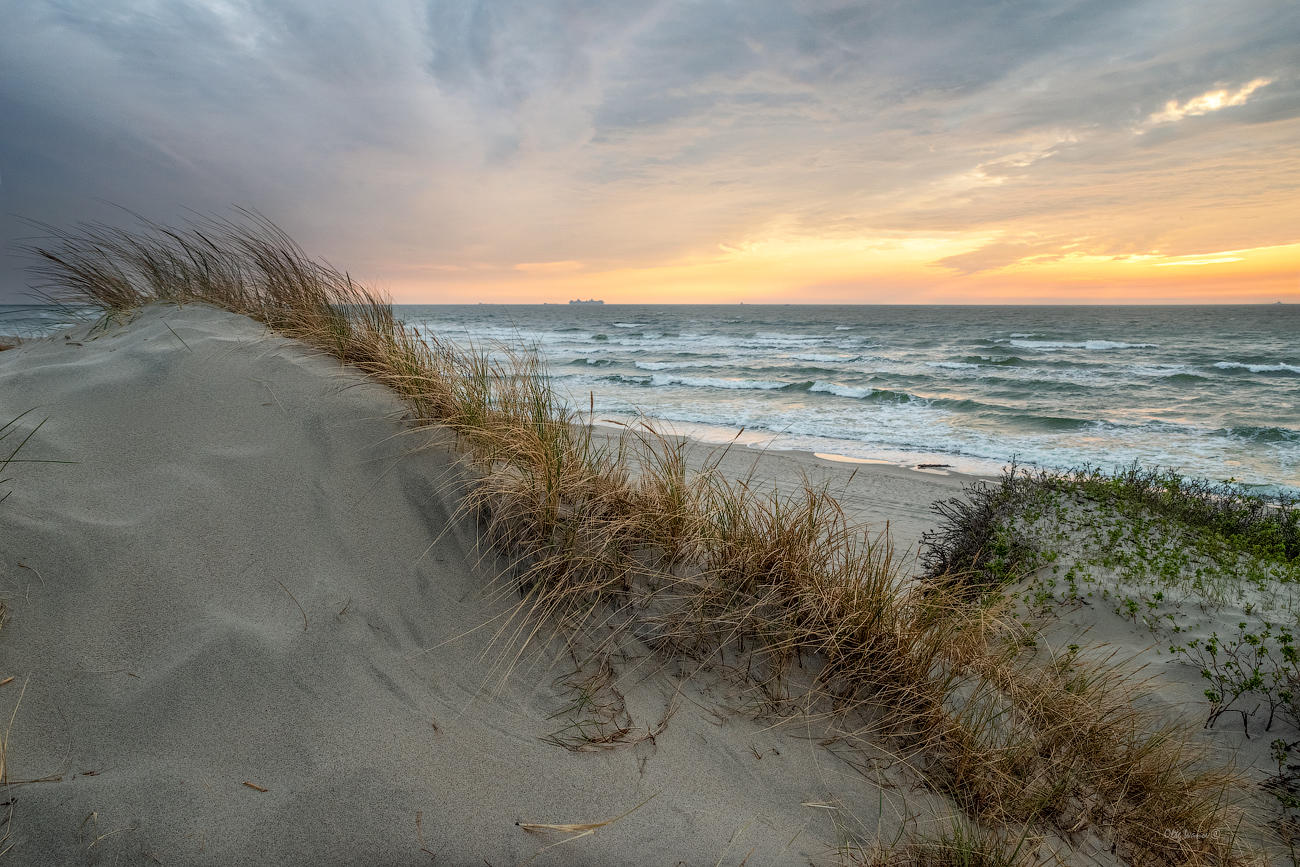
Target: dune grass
x=621, y=535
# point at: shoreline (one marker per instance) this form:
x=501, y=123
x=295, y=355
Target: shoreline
x=873, y=494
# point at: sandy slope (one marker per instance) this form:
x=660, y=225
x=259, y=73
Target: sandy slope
x=224, y=477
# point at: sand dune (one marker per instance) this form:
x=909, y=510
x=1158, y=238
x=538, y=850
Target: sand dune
x=252, y=580
x=248, y=624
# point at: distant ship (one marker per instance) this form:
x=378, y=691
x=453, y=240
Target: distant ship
x=592, y=301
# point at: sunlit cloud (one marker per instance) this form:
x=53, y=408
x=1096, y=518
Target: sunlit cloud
x=1212, y=100
x=1219, y=261
x=564, y=267
x=998, y=171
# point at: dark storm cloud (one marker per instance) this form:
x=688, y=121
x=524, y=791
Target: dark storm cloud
x=471, y=133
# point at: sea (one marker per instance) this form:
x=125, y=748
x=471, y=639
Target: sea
x=1209, y=391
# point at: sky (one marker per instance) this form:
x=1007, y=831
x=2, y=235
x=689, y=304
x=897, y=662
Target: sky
x=682, y=151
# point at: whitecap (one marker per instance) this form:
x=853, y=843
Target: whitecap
x=841, y=390
x=828, y=359
x=1118, y=344
x=1165, y=370
x=668, y=365
x=713, y=382
x=1257, y=368
x=1053, y=345
x=763, y=337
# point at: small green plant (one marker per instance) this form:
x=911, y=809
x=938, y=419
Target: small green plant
x=1256, y=663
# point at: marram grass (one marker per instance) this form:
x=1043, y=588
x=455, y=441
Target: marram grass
x=621, y=534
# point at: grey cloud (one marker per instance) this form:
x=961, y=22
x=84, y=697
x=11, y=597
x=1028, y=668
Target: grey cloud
x=498, y=131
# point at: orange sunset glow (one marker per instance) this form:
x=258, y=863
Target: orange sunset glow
x=834, y=273
x=771, y=152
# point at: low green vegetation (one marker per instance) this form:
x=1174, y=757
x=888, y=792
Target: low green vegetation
x=621, y=541
x=1179, y=558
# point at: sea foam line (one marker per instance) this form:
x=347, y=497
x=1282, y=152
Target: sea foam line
x=1257, y=368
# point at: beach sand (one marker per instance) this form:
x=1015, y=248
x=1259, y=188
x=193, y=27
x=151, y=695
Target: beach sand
x=247, y=624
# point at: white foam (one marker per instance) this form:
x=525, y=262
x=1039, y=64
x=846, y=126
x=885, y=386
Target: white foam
x=774, y=337
x=1257, y=368
x=668, y=365
x=660, y=379
x=952, y=365
x=828, y=359
x=843, y=327
x=1165, y=370
x=1053, y=345
x=841, y=390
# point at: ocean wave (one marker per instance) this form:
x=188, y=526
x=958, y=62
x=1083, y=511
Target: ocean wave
x=660, y=379
x=1054, y=345
x=1261, y=434
x=841, y=390
x=859, y=393
x=1175, y=372
x=1018, y=420
x=1007, y=360
x=1051, y=423
x=828, y=359
x=865, y=379
x=1279, y=367
x=776, y=336
x=669, y=365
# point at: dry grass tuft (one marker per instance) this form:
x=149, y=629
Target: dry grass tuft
x=961, y=845
x=621, y=538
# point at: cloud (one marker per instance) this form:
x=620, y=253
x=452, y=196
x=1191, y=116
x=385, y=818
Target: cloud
x=567, y=267
x=1218, y=260
x=1212, y=100
x=1000, y=254
x=404, y=136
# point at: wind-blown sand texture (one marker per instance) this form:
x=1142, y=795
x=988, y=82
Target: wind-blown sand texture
x=251, y=625
x=251, y=580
